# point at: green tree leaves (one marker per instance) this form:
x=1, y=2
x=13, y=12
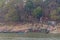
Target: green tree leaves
x=53, y=14
x=37, y=12
x=11, y=14
x=18, y=9
x=29, y=5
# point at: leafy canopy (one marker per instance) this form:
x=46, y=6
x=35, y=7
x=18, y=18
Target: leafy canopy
x=37, y=12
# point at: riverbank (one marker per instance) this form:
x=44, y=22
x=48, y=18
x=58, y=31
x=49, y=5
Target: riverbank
x=25, y=27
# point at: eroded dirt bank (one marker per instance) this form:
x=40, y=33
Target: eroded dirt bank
x=24, y=27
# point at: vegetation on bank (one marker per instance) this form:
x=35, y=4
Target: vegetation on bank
x=29, y=10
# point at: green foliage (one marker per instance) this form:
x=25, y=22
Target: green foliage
x=58, y=13
x=37, y=12
x=12, y=14
x=14, y=11
x=53, y=15
x=29, y=5
x=58, y=10
x=11, y=17
x=2, y=3
x=37, y=2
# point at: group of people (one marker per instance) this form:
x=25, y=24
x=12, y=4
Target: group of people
x=40, y=28
x=51, y=25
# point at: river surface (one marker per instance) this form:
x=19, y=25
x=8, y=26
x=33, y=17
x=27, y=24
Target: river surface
x=29, y=36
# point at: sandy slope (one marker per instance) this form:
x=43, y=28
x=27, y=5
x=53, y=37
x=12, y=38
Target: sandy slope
x=23, y=28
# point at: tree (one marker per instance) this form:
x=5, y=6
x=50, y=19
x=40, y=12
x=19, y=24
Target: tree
x=37, y=13
x=37, y=2
x=58, y=10
x=29, y=6
x=58, y=13
x=2, y=2
x=53, y=15
x=11, y=14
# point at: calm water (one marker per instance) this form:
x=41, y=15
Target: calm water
x=29, y=36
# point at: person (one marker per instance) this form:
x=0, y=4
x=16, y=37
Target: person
x=41, y=21
x=46, y=20
x=53, y=23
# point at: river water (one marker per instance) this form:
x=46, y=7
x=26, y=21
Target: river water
x=29, y=36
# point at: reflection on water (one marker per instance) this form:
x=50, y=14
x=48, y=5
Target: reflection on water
x=20, y=38
x=28, y=36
